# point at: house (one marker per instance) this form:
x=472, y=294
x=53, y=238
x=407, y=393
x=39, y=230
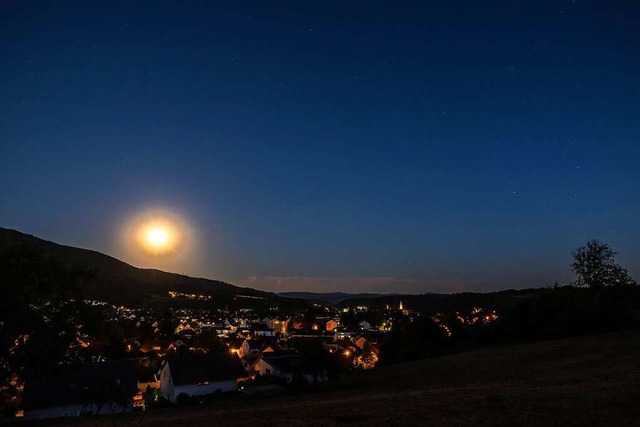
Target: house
x=160, y=347
x=249, y=362
x=268, y=322
x=280, y=325
x=203, y=342
x=332, y=347
x=200, y=374
x=89, y=388
x=331, y=325
x=238, y=346
x=261, y=344
x=364, y=325
x=360, y=342
x=341, y=334
x=261, y=330
x=270, y=348
x=255, y=346
x=281, y=364
x=298, y=322
x=183, y=327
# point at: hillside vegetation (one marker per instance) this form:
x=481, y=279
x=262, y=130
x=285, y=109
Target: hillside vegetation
x=579, y=381
x=117, y=281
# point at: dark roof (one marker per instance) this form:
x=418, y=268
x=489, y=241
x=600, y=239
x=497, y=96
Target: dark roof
x=147, y=366
x=252, y=358
x=149, y=345
x=198, y=368
x=261, y=342
x=284, y=361
x=258, y=327
x=234, y=342
x=75, y=384
x=280, y=353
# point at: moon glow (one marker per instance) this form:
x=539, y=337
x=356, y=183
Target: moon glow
x=157, y=237
x=158, y=233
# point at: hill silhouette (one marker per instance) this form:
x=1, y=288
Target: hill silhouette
x=328, y=297
x=116, y=281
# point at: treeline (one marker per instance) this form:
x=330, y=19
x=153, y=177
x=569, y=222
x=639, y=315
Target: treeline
x=603, y=298
x=548, y=314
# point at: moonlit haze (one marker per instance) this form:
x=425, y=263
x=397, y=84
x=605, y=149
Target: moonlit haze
x=157, y=238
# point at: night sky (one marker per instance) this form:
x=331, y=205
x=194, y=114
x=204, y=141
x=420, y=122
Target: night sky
x=329, y=145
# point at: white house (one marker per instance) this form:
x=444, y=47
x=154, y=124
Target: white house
x=364, y=325
x=200, y=374
x=281, y=364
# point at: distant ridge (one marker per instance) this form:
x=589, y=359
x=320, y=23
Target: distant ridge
x=330, y=297
x=117, y=280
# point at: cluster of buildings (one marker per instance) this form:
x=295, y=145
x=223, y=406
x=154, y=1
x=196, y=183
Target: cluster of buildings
x=477, y=316
x=183, y=354
x=205, y=353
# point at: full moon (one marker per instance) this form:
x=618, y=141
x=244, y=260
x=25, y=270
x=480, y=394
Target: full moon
x=157, y=237
x=158, y=233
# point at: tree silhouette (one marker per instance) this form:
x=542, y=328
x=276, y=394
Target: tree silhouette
x=595, y=266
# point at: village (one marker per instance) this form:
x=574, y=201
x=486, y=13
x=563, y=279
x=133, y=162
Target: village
x=193, y=349
x=150, y=358
x=183, y=356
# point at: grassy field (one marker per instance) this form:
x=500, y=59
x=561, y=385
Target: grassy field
x=580, y=381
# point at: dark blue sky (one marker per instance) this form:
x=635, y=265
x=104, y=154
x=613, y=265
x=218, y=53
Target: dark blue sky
x=354, y=146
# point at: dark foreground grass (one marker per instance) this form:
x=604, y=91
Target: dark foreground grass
x=580, y=381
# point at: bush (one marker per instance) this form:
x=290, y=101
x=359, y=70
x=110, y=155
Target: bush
x=183, y=399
